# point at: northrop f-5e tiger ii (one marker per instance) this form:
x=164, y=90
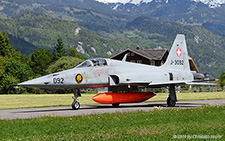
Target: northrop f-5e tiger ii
x=123, y=78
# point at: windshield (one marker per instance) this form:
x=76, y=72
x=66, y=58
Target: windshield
x=98, y=62
x=84, y=64
x=93, y=62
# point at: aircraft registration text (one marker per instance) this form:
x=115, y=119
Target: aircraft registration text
x=177, y=62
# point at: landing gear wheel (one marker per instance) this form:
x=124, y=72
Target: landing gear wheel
x=116, y=105
x=75, y=105
x=170, y=102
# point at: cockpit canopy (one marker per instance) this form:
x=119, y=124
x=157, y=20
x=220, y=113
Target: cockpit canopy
x=93, y=63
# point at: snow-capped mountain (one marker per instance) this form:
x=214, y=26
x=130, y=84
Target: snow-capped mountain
x=208, y=13
x=136, y=2
x=210, y=3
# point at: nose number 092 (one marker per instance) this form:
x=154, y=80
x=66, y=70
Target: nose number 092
x=58, y=80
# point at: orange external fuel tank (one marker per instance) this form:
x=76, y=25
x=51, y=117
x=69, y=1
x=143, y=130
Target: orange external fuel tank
x=122, y=97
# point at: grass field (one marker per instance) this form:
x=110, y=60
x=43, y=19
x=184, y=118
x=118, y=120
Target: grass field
x=205, y=123
x=47, y=100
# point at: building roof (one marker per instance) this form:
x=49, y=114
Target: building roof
x=151, y=54
x=155, y=54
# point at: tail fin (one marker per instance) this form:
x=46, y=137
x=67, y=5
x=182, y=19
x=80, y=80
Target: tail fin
x=178, y=56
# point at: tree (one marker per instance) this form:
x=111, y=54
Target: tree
x=18, y=69
x=14, y=72
x=5, y=47
x=59, y=51
x=7, y=83
x=222, y=80
x=73, y=53
x=40, y=59
x=64, y=63
x=2, y=68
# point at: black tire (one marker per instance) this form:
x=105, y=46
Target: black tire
x=170, y=102
x=75, y=105
x=116, y=105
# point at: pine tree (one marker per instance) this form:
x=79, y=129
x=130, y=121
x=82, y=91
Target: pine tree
x=73, y=53
x=59, y=51
x=222, y=80
x=40, y=59
x=5, y=47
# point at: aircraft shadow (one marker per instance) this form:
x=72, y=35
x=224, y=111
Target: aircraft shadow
x=181, y=105
x=86, y=107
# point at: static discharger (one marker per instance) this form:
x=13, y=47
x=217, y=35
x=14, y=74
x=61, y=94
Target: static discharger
x=122, y=97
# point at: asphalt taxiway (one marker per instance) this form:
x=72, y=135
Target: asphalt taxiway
x=100, y=109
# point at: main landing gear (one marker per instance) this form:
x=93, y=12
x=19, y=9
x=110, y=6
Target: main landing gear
x=172, y=99
x=116, y=105
x=76, y=104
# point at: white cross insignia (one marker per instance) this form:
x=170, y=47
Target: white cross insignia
x=179, y=52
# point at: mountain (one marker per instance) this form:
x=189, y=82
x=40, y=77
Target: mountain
x=100, y=32
x=24, y=46
x=210, y=3
x=43, y=31
x=197, y=12
x=91, y=14
x=188, y=11
x=206, y=48
x=106, y=18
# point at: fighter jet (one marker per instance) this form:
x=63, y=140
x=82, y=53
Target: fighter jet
x=123, y=78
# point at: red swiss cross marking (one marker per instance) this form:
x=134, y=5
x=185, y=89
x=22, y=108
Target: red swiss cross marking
x=178, y=52
x=99, y=72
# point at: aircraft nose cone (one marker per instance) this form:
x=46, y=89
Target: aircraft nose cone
x=30, y=83
x=38, y=82
x=23, y=83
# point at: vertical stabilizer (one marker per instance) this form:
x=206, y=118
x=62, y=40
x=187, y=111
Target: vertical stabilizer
x=178, y=56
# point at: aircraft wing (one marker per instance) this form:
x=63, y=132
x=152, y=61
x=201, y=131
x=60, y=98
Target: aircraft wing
x=181, y=83
x=168, y=83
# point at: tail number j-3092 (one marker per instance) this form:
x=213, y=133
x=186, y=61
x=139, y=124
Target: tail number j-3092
x=177, y=62
x=58, y=80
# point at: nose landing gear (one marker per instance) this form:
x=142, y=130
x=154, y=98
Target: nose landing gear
x=76, y=104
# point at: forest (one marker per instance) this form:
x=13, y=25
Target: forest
x=16, y=67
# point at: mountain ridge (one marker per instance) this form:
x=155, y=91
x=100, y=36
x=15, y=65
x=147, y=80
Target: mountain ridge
x=105, y=21
x=99, y=39
x=210, y=3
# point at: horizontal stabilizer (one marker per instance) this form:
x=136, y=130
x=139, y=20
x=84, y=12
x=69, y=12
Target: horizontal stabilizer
x=199, y=83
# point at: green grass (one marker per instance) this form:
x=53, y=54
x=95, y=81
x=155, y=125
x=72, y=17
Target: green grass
x=47, y=100
x=153, y=125
x=41, y=100
x=190, y=96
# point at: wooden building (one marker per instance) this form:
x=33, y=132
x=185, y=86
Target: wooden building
x=155, y=57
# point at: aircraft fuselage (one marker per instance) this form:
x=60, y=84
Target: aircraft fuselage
x=114, y=73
